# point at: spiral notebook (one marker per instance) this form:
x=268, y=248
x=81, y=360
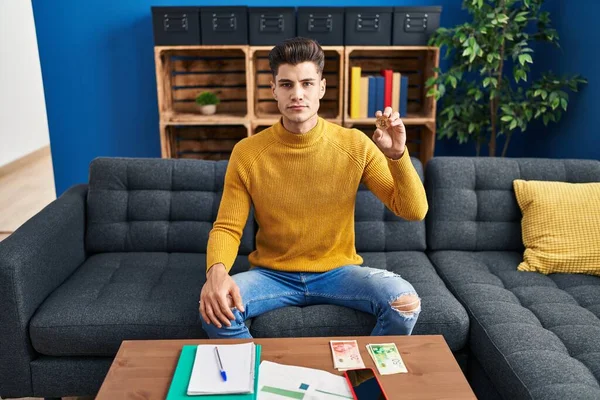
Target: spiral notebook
x=197, y=374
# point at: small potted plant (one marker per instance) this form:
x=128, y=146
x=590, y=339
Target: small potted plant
x=208, y=102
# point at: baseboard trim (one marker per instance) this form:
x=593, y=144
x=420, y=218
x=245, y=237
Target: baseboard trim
x=24, y=161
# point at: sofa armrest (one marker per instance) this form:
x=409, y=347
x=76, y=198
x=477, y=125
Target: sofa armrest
x=34, y=261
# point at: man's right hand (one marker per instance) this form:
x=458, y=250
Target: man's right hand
x=217, y=296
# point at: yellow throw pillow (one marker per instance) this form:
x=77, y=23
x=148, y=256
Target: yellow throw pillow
x=560, y=226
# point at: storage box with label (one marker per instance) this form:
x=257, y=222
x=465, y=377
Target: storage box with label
x=271, y=25
x=413, y=26
x=176, y=25
x=224, y=25
x=323, y=24
x=368, y=26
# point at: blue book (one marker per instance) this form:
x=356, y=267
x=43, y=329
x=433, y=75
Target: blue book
x=372, y=97
x=379, y=93
x=403, y=96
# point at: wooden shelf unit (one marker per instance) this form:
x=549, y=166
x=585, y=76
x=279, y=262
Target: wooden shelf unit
x=208, y=142
x=241, y=76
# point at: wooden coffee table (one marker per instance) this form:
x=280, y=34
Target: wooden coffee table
x=143, y=369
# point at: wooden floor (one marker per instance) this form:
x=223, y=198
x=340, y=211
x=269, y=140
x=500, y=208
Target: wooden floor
x=26, y=187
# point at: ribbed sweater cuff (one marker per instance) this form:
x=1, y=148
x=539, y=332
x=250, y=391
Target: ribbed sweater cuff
x=222, y=248
x=400, y=166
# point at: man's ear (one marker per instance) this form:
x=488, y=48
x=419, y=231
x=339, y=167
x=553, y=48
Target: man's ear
x=273, y=89
x=323, y=86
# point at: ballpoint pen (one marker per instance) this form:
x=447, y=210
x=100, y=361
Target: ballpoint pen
x=223, y=374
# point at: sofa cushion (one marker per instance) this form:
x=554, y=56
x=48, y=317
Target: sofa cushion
x=155, y=205
x=379, y=229
x=472, y=204
x=561, y=226
x=441, y=312
x=536, y=336
x=118, y=296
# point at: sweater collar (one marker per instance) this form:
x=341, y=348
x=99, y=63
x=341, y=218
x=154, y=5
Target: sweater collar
x=299, y=139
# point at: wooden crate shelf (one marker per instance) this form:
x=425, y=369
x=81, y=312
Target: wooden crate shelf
x=176, y=118
x=411, y=119
x=185, y=71
x=209, y=142
x=241, y=76
x=415, y=62
x=416, y=139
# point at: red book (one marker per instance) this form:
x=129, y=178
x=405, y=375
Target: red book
x=388, y=79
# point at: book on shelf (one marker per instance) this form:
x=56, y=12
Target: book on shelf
x=369, y=93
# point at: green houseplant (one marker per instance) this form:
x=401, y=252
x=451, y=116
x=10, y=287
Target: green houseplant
x=486, y=90
x=208, y=102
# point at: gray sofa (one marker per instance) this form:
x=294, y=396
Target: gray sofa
x=531, y=336
x=123, y=257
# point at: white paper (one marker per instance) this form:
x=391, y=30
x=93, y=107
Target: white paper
x=313, y=383
x=238, y=363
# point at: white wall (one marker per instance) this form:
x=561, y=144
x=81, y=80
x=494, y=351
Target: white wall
x=23, y=123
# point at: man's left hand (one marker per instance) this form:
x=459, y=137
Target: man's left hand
x=392, y=140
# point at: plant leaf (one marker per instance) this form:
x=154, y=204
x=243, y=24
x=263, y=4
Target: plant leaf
x=525, y=58
x=453, y=81
x=430, y=81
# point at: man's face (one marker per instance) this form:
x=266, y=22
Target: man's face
x=298, y=89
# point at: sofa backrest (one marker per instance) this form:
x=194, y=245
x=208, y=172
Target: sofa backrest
x=377, y=229
x=163, y=205
x=139, y=204
x=472, y=205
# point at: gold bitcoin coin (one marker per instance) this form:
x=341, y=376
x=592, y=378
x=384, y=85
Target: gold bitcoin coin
x=382, y=122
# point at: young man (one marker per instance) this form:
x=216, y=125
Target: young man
x=302, y=175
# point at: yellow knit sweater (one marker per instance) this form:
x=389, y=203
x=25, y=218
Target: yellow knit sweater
x=303, y=188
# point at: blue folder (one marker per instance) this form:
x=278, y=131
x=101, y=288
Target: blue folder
x=183, y=372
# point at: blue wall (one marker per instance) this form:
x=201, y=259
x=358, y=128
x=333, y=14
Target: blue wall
x=99, y=80
x=577, y=135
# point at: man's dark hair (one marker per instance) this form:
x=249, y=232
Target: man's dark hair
x=295, y=51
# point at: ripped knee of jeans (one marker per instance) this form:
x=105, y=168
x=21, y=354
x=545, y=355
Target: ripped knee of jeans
x=407, y=305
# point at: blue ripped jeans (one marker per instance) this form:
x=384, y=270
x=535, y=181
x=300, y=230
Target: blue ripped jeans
x=362, y=288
